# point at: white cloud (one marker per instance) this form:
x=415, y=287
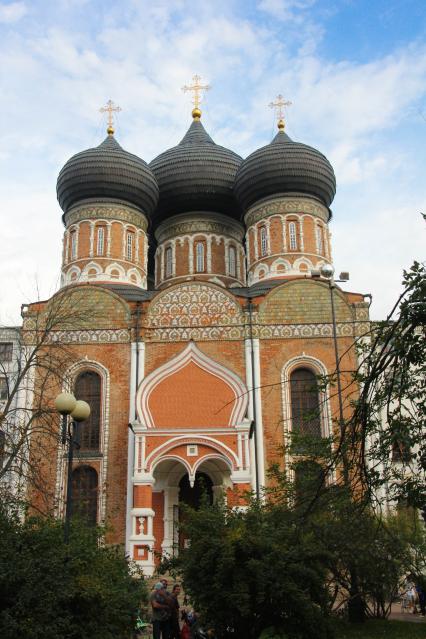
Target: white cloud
x=12, y=12
x=286, y=10
x=58, y=78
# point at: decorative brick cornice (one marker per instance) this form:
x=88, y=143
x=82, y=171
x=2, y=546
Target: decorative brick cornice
x=201, y=222
x=260, y=331
x=285, y=206
x=106, y=212
x=91, y=336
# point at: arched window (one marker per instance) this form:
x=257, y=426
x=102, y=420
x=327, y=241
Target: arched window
x=305, y=408
x=199, y=252
x=100, y=240
x=293, y=235
x=320, y=244
x=232, y=261
x=129, y=246
x=88, y=388
x=263, y=240
x=169, y=261
x=84, y=501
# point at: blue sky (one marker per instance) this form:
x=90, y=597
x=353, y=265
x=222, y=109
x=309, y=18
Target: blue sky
x=354, y=70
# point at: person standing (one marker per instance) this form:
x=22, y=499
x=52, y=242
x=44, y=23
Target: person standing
x=161, y=612
x=174, y=621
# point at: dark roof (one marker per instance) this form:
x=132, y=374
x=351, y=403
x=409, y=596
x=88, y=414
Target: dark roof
x=196, y=175
x=129, y=292
x=108, y=172
x=285, y=166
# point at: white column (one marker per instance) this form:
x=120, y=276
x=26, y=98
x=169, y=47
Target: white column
x=256, y=243
x=302, y=248
x=123, y=241
x=109, y=225
x=259, y=420
x=67, y=241
x=161, y=248
x=92, y=237
x=130, y=447
x=191, y=255
x=138, y=232
x=284, y=233
x=249, y=384
x=209, y=253
x=248, y=248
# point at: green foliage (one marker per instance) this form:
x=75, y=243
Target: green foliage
x=380, y=629
x=250, y=570
x=49, y=590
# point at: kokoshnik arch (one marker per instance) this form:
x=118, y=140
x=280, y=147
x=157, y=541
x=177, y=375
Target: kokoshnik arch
x=174, y=366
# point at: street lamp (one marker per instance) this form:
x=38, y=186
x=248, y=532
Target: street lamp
x=67, y=405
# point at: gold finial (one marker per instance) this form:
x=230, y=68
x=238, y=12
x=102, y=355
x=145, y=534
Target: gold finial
x=278, y=106
x=196, y=87
x=110, y=108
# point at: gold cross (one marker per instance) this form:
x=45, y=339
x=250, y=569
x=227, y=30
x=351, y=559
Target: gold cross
x=196, y=87
x=110, y=108
x=278, y=106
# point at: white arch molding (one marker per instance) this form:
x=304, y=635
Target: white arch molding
x=191, y=353
x=70, y=377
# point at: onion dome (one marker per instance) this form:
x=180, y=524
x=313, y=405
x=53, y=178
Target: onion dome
x=284, y=167
x=107, y=172
x=196, y=175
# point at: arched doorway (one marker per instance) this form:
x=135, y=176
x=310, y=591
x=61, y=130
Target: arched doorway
x=191, y=496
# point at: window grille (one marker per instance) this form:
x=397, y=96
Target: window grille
x=263, y=240
x=100, y=241
x=6, y=350
x=129, y=246
x=400, y=452
x=305, y=407
x=88, y=388
x=84, y=501
x=319, y=240
x=232, y=261
x=199, y=257
x=169, y=261
x=308, y=480
x=292, y=235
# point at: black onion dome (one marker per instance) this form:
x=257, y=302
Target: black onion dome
x=285, y=166
x=196, y=175
x=107, y=172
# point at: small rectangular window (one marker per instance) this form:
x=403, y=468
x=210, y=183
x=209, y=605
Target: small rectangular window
x=192, y=450
x=100, y=241
x=3, y=389
x=169, y=261
x=200, y=257
x=232, y=261
x=6, y=350
x=263, y=241
x=73, y=245
x=129, y=246
x=293, y=236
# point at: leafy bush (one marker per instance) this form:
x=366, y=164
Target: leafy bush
x=49, y=590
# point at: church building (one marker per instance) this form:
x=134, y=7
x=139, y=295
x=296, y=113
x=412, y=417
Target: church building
x=210, y=327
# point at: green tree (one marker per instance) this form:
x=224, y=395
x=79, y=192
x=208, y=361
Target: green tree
x=49, y=590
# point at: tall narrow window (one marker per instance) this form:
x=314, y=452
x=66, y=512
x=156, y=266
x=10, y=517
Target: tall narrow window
x=6, y=350
x=232, y=261
x=308, y=479
x=84, y=501
x=263, y=240
x=73, y=245
x=292, y=235
x=4, y=391
x=100, y=240
x=305, y=408
x=88, y=388
x=199, y=257
x=129, y=246
x=320, y=246
x=169, y=261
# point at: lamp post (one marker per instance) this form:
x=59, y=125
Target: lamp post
x=67, y=405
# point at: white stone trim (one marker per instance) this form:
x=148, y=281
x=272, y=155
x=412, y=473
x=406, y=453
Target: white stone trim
x=191, y=354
